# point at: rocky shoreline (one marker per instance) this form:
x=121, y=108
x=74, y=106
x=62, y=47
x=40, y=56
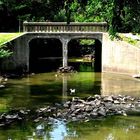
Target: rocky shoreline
x=76, y=109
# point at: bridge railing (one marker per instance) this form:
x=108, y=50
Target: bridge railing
x=64, y=27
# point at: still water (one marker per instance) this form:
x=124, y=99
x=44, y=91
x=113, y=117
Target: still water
x=49, y=88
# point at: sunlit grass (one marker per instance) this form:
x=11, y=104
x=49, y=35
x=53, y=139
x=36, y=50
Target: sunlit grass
x=130, y=40
x=80, y=60
x=6, y=37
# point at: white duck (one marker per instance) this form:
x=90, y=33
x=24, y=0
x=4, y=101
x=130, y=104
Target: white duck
x=72, y=91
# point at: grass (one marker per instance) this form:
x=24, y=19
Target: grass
x=6, y=37
x=130, y=40
x=79, y=60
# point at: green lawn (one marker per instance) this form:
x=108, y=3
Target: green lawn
x=6, y=37
x=130, y=40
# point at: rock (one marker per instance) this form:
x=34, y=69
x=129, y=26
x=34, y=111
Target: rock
x=102, y=112
x=97, y=96
x=76, y=110
x=74, y=119
x=90, y=98
x=88, y=108
x=2, y=86
x=97, y=102
x=65, y=69
x=59, y=115
x=75, y=99
x=67, y=104
x=80, y=105
x=92, y=103
x=80, y=116
x=2, y=124
x=108, y=98
x=12, y=116
x=93, y=114
x=23, y=112
x=38, y=119
x=116, y=102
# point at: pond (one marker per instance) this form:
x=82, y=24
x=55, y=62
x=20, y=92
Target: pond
x=45, y=89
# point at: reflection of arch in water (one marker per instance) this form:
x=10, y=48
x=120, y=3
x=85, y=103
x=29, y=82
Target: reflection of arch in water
x=89, y=55
x=64, y=87
x=97, y=85
x=45, y=54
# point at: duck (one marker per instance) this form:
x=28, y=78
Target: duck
x=72, y=91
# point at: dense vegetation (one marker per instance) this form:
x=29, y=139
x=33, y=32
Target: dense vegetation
x=121, y=15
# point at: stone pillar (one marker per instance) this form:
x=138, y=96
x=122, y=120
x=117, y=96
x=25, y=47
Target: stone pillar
x=65, y=51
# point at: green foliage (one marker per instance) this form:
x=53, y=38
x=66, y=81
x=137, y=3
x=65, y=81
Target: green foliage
x=87, y=42
x=4, y=53
x=121, y=15
x=60, y=16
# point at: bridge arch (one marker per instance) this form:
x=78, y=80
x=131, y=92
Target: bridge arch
x=64, y=38
x=45, y=54
x=88, y=53
x=21, y=57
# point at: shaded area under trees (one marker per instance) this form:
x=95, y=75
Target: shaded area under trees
x=121, y=16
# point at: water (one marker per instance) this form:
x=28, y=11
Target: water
x=49, y=88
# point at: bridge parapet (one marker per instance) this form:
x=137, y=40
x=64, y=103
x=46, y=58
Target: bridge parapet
x=64, y=27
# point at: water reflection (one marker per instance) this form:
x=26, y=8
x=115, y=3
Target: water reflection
x=59, y=131
x=119, y=84
x=111, y=128
x=46, y=88
x=65, y=87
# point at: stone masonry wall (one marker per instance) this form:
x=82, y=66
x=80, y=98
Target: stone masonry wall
x=119, y=56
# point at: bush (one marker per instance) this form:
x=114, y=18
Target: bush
x=4, y=53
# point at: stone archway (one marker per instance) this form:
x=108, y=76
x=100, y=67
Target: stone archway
x=20, y=58
x=45, y=54
x=88, y=56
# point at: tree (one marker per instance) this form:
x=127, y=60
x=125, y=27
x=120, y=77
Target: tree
x=121, y=15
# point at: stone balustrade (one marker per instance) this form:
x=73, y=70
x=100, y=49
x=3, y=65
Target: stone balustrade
x=64, y=27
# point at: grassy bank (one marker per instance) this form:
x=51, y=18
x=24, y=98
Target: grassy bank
x=6, y=37
x=131, y=40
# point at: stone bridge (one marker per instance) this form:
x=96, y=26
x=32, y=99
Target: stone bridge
x=116, y=56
